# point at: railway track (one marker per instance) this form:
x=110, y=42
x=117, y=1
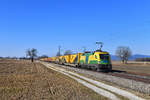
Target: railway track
x=128, y=75
x=145, y=79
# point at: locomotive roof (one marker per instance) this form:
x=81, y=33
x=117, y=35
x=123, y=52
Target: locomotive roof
x=101, y=51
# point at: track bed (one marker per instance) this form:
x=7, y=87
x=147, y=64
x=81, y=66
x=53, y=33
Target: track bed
x=132, y=74
x=124, y=79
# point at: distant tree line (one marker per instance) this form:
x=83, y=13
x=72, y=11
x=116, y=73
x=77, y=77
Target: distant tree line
x=8, y=57
x=68, y=52
x=24, y=58
x=143, y=59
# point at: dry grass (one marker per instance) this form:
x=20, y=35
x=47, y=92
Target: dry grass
x=32, y=81
x=132, y=63
x=132, y=66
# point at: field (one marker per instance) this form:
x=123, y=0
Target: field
x=20, y=79
x=33, y=81
x=133, y=67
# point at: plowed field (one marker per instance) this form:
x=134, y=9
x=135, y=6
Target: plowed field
x=20, y=80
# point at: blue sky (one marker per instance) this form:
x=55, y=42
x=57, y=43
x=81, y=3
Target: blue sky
x=45, y=24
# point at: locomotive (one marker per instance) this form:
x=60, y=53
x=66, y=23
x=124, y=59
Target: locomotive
x=97, y=60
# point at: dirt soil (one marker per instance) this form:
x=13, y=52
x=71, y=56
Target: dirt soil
x=23, y=80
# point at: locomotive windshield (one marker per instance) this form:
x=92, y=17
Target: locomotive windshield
x=104, y=56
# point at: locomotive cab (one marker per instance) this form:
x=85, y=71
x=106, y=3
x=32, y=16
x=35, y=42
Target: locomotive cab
x=104, y=60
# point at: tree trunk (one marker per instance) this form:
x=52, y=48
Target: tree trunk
x=123, y=61
x=32, y=59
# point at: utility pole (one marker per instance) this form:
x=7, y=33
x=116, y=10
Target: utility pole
x=58, y=53
x=100, y=45
x=59, y=49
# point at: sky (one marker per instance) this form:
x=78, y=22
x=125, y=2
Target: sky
x=73, y=24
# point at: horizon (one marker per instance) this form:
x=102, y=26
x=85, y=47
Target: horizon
x=114, y=55
x=45, y=25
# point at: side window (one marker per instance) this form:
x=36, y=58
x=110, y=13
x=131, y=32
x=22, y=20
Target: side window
x=95, y=56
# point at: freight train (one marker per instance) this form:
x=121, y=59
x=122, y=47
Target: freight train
x=97, y=60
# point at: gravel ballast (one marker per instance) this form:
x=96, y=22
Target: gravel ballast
x=126, y=83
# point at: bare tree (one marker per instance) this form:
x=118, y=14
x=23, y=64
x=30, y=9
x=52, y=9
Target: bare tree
x=68, y=52
x=32, y=54
x=123, y=53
